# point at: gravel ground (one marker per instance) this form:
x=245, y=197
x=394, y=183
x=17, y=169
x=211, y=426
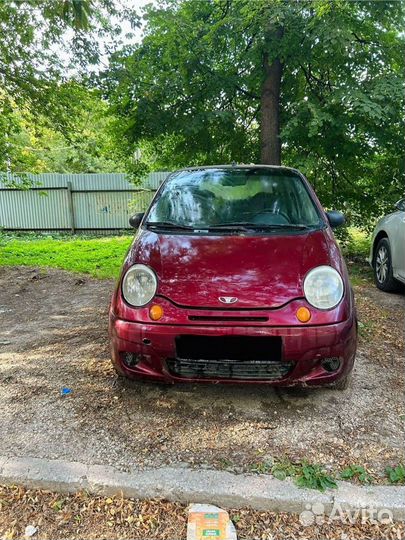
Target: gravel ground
x=53, y=333
x=83, y=517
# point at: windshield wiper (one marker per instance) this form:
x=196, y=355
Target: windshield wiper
x=244, y=225
x=297, y=226
x=168, y=225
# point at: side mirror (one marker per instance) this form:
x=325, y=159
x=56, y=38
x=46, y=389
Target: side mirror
x=136, y=219
x=400, y=205
x=335, y=218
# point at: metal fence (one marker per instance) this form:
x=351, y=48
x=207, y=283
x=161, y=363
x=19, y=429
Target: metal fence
x=75, y=202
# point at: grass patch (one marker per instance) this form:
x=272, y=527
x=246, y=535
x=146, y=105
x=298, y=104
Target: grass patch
x=366, y=329
x=304, y=474
x=356, y=472
x=263, y=467
x=396, y=475
x=100, y=257
x=360, y=272
x=314, y=477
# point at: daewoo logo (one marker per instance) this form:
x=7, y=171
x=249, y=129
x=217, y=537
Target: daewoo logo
x=228, y=299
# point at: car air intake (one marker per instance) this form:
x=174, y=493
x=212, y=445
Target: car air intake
x=228, y=369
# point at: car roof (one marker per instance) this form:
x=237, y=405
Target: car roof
x=240, y=166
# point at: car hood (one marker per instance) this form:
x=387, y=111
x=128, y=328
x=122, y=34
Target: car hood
x=260, y=271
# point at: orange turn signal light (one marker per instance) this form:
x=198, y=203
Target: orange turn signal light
x=156, y=312
x=303, y=314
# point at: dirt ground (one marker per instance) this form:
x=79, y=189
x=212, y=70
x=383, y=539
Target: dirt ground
x=53, y=334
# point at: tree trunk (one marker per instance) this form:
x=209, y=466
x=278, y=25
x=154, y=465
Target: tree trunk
x=270, y=110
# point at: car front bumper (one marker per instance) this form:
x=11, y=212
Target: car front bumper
x=304, y=348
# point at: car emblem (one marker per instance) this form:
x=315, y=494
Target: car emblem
x=228, y=299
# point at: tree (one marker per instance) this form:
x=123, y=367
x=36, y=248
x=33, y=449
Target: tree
x=80, y=141
x=224, y=80
x=41, y=40
x=43, y=43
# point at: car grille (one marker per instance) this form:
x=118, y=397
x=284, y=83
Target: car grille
x=228, y=369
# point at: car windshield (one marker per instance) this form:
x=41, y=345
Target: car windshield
x=234, y=198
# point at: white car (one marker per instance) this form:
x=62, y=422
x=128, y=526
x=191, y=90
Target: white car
x=387, y=253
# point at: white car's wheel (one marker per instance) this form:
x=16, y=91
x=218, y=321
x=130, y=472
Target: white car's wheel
x=383, y=275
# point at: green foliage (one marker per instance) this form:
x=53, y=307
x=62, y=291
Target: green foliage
x=305, y=475
x=367, y=328
x=282, y=469
x=356, y=472
x=58, y=505
x=47, y=123
x=21, y=181
x=262, y=467
x=225, y=463
x=356, y=248
x=357, y=243
x=191, y=91
x=314, y=477
x=41, y=39
x=100, y=257
x=396, y=475
x=78, y=140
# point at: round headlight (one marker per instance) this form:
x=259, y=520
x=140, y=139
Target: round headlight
x=323, y=287
x=139, y=285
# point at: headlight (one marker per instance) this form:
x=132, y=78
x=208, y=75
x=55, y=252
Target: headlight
x=323, y=287
x=139, y=285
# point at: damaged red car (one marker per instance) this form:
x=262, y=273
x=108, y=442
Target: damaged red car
x=234, y=276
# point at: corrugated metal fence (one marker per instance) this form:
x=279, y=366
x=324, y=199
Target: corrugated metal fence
x=75, y=202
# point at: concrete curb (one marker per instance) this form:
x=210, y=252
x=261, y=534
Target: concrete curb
x=260, y=492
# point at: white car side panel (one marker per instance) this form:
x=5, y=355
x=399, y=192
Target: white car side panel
x=398, y=239
x=394, y=227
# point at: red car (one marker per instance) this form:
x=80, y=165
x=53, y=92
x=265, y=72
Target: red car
x=234, y=276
